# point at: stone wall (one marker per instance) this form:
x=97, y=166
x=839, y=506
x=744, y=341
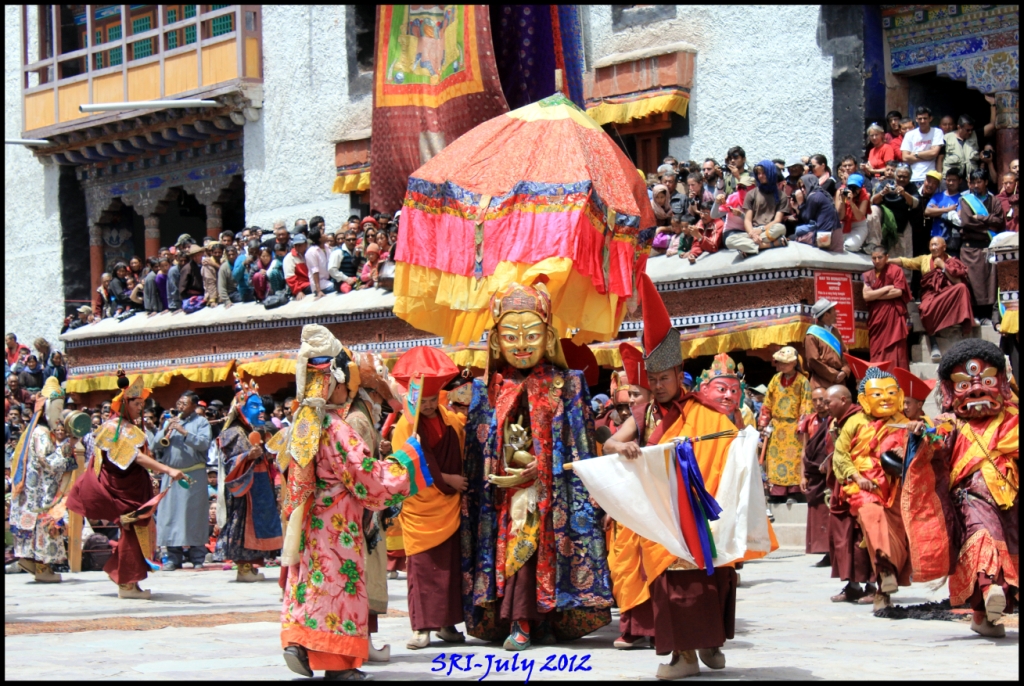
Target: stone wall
x=34, y=300
x=761, y=80
x=289, y=152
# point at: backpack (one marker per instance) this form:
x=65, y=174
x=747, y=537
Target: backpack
x=276, y=299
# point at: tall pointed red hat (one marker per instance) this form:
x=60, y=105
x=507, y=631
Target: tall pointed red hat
x=860, y=367
x=581, y=357
x=633, y=363
x=436, y=368
x=661, y=340
x=913, y=386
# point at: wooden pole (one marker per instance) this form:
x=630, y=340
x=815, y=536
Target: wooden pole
x=74, y=519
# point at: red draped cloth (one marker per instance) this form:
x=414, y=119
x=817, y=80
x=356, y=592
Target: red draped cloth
x=114, y=493
x=944, y=303
x=435, y=575
x=887, y=319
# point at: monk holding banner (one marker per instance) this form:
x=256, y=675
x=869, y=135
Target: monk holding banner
x=430, y=519
x=693, y=598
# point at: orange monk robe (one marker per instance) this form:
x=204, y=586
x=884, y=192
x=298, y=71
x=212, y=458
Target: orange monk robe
x=430, y=517
x=632, y=578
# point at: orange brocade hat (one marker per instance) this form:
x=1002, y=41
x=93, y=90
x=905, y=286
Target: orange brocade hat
x=133, y=389
x=912, y=386
x=436, y=368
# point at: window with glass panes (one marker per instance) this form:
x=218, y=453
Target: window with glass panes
x=142, y=48
x=190, y=31
x=98, y=57
x=220, y=25
x=114, y=33
x=172, y=37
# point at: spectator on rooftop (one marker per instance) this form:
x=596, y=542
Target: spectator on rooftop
x=938, y=211
x=763, y=208
x=736, y=164
x=343, y=263
x=210, y=269
x=227, y=287
x=242, y=272
x=260, y=283
x=921, y=147
x=16, y=393
x=190, y=283
x=819, y=167
x=947, y=124
x=135, y=268
x=150, y=295
x=711, y=175
x=961, y=148
x=370, y=272
x=900, y=198
x=106, y=300
x=301, y=226
x=879, y=152
x=275, y=274
x=847, y=166
x=83, y=314
x=892, y=120
x=56, y=368
x=161, y=279
x=135, y=294
x=817, y=215
x=174, y=281
x=853, y=207
x=43, y=350
x=317, y=222
x=661, y=205
x=119, y=291
x=705, y=234
x=316, y=263
x=31, y=377
x=296, y=273
x=227, y=237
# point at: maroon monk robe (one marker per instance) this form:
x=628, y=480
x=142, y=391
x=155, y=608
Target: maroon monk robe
x=435, y=575
x=817, y=448
x=887, y=319
x=850, y=562
x=945, y=303
x=114, y=493
x=639, y=620
x=693, y=610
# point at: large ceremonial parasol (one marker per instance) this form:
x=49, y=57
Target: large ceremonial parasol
x=539, y=191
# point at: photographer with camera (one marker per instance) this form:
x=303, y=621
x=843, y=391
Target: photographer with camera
x=899, y=196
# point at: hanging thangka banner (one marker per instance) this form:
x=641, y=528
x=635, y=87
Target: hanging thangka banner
x=434, y=79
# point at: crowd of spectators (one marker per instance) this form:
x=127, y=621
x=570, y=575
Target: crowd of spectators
x=254, y=265
x=913, y=181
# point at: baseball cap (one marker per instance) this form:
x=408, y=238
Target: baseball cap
x=85, y=309
x=934, y=174
x=298, y=238
x=794, y=161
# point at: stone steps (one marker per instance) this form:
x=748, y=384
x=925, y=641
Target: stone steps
x=790, y=524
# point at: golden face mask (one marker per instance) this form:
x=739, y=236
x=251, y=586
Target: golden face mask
x=523, y=339
x=881, y=398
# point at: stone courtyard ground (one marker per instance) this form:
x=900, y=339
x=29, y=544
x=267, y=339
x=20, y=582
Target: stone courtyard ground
x=201, y=625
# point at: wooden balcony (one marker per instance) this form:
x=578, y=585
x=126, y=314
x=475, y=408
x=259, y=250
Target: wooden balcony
x=214, y=52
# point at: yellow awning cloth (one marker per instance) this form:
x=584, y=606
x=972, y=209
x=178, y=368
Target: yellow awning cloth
x=352, y=182
x=279, y=363
x=753, y=336
x=1010, y=322
x=622, y=109
x=154, y=377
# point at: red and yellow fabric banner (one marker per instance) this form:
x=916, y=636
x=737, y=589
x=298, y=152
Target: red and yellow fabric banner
x=434, y=79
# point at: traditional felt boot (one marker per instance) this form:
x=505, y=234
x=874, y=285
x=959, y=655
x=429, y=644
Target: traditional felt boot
x=851, y=593
x=392, y=574
x=45, y=575
x=382, y=655
x=27, y=565
x=519, y=639
x=682, y=665
x=985, y=627
x=420, y=639
x=714, y=658
x=297, y=660
x=881, y=600
x=887, y=583
x=347, y=675
x=449, y=634
x=248, y=575
x=627, y=642
x=995, y=602
x=132, y=591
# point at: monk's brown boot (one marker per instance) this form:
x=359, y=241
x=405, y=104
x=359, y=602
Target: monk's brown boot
x=132, y=591
x=713, y=658
x=449, y=634
x=682, y=665
x=995, y=602
x=45, y=575
x=27, y=565
x=881, y=601
x=247, y=575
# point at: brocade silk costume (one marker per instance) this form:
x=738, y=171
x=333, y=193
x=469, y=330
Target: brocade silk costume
x=570, y=585
x=887, y=319
x=786, y=401
x=36, y=535
x=252, y=531
x=114, y=484
x=430, y=525
x=326, y=608
x=858, y=450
